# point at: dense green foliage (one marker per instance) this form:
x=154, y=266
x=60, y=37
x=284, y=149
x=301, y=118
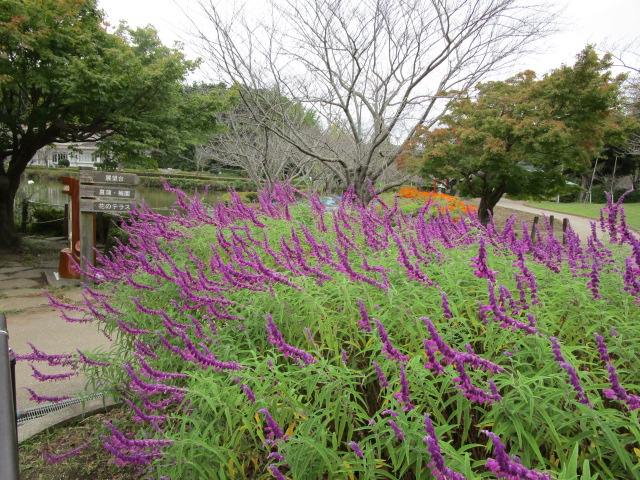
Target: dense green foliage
x=64, y=78
x=523, y=136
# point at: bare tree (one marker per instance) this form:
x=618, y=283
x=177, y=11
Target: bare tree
x=250, y=143
x=374, y=69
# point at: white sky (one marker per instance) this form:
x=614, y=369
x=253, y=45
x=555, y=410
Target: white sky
x=586, y=21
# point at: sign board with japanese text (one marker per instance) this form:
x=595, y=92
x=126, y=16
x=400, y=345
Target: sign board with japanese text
x=113, y=178
x=104, y=206
x=107, y=191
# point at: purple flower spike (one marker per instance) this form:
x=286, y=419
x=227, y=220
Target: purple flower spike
x=273, y=430
x=41, y=377
x=275, y=338
x=445, y=306
x=356, y=449
x=364, y=324
x=396, y=429
x=437, y=464
x=42, y=399
x=617, y=391
x=573, y=375
x=480, y=263
x=387, y=347
x=602, y=349
x=249, y=393
x=381, y=376
x=53, y=459
x=403, y=395
x=276, y=456
x=276, y=473
x=509, y=467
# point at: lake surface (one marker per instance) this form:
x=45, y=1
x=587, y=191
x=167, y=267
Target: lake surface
x=157, y=198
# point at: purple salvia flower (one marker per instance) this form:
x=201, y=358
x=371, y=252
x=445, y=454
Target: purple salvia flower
x=42, y=399
x=276, y=456
x=602, y=349
x=148, y=388
x=41, y=377
x=275, y=338
x=144, y=349
x=272, y=429
x=40, y=356
x=573, y=375
x=132, y=443
x=482, y=270
x=344, y=357
x=53, y=459
x=150, y=372
x=445, y=306
x=390, y=412
x=438, y=466
x=92, y=363
x=356, y=449
x=617, y=391
x=403, y=395
x=381, y=376
x=473, y=393
x=276, y=473
x=364, y=323
x=387, y=347
x=509, y=467
x=309, y=335
x=396, y=429
x=432, y=362
x=248, y=392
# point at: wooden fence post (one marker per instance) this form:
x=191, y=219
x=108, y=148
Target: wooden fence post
x=534, y=227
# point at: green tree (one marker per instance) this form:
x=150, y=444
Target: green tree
x=521, y=136
x=64, y=78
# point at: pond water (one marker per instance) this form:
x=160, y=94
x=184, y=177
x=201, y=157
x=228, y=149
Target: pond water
x=50, y=192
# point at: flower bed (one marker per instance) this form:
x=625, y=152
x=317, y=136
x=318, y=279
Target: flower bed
x=284, y=340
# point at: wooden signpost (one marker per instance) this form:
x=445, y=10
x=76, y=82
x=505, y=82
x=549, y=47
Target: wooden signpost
x=95, y=197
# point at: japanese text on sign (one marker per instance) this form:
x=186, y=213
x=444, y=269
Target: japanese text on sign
x=93, y=206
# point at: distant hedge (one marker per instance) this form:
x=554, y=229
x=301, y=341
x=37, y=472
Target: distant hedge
x=598, y=195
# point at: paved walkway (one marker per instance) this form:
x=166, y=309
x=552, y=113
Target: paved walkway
x=31, y=319
x=580, y=225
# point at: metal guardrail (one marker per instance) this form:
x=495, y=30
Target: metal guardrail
x=8, y=433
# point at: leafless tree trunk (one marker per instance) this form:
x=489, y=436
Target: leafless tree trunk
x=372, y=69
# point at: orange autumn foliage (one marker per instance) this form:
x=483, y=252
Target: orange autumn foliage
x=440, y=200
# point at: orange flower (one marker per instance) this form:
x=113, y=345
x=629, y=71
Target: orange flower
x=442, y=201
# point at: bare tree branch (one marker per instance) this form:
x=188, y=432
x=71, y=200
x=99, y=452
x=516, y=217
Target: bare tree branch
x=372, y=69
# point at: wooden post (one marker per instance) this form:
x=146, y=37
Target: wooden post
x=565, y=225
x=65, y=222
x=534, y=227
x=551, y=220
x=87, y=242
x=100, y=227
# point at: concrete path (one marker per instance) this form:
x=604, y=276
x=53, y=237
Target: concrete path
x=580, y=225
x=31, y=319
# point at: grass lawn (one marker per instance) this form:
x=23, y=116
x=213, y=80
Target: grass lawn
x=591, y=210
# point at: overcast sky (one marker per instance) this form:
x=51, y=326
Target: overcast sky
x=587, y=21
